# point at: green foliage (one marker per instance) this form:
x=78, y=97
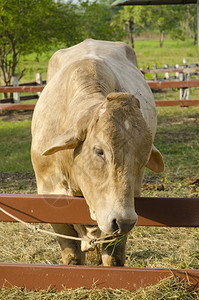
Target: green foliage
x=94, y=20
x=20, y=32
x=179, y=21
x=188, y=22
x=28, y=26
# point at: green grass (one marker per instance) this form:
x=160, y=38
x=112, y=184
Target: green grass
x=178, y=140
x=35, y=63
x=149, y=53
x=15, y=146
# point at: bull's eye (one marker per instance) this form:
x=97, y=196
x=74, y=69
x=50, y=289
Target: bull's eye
x=99, y=152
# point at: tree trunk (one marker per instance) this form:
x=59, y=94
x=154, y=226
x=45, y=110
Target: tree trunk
x=195, y=37
x=161, y=39
x=5, y=95
x=130, y=27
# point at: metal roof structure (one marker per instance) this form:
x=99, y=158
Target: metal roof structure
x=152, y=2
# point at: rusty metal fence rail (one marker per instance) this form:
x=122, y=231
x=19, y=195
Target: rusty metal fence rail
x=152, y=211
x=153, y=84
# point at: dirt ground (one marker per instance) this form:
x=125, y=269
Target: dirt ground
x=15, y=115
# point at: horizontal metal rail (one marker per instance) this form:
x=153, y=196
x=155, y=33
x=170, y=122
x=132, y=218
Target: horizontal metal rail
x=21, y=89
x=17, y=106
x=158, y=103
x=22, y=98
x=152, y=84
x=183, y=103
x=151, y=2
x=58, y=277
x=152, y=211
x=64, y=209
x=170, y=70
x=173, y=84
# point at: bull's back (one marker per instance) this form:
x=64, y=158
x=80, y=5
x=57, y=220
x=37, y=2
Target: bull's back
x=103, y=50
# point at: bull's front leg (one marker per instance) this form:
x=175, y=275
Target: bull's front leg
x=71, y=250
x=114, y=255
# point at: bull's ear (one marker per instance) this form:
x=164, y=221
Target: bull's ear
x=72, y=137
x=63, y=142
x=155, y=163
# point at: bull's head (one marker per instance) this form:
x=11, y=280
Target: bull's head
x=109, y=157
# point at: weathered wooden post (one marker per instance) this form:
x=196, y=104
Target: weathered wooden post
x=38, y=81
x=177, y=73
x=181, y=77
x=188, y=77
x=167, y=75
x=16, y=96
x=155, y=77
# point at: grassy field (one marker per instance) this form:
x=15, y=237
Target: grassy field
x=148, y=53
x=177, y=139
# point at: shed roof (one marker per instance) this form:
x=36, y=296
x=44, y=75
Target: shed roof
x=152, y=2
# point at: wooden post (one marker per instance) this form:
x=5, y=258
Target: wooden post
x=38, y=81
x=167, y=73
x=181, y=77
x=16, y=96
x=177, y=73
x=155, y=77
x=188, y=77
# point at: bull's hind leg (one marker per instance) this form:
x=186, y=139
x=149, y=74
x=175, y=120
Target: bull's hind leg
x=114, y=255
x=71, y=250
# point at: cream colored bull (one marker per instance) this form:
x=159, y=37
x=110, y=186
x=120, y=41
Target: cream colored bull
x=92, y=135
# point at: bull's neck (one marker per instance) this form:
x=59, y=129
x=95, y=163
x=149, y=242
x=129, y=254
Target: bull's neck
x=90, y=78
x=90, y=90
x=84, y=107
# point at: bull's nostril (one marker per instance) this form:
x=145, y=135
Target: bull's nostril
x=115, y=226
x=125, y=227
x=121, y=227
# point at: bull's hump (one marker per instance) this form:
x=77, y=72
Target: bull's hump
x=95, y=49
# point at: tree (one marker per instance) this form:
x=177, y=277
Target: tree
x=188, y=21
x=64, y=24
x=95, y=19
x=165, y=18
x=130, y=21
x=28, y=26
x=125, y=20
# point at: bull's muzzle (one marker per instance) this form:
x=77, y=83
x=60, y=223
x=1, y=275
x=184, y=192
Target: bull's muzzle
x=116, y=221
